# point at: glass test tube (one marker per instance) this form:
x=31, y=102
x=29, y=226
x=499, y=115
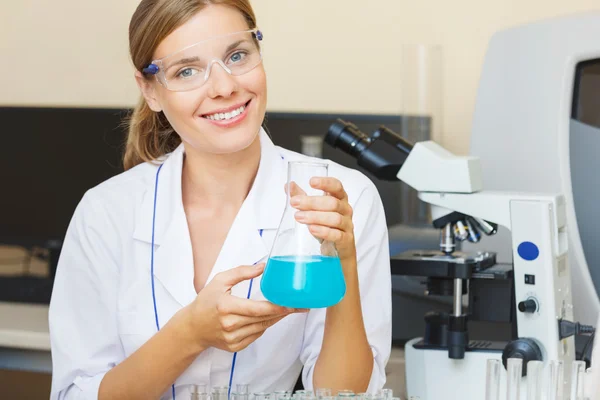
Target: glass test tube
x=387, y=393
x=199, y=392
x=555, y=383
x=514, y=370
x=280, y=394
x=262, y=396
x=219, y=393
x=588, y=383
x=492, y=380
x=323, y=392
x=535, y=373
x=577, y=380
x=242, y=388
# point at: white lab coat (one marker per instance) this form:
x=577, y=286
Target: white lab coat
x=102, y=309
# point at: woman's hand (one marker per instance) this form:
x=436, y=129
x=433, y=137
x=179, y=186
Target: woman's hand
x=218, y=319
x=328, y=217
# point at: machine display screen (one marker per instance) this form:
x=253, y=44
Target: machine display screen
x=586, y=95
x=584, y=140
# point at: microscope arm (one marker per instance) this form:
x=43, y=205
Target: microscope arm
x=496, y=207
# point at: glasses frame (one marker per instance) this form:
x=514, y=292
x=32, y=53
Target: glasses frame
x=154, y=68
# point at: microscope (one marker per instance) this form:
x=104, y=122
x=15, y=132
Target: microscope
x=534, y=292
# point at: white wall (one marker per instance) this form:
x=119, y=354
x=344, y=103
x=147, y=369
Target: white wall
x=320, y=55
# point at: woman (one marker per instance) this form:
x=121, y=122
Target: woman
x=151, y=290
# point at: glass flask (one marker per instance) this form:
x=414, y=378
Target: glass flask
x=302, y=271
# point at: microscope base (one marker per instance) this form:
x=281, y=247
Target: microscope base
x=447, y=379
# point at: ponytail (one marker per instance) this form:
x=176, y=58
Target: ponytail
x=150, y=136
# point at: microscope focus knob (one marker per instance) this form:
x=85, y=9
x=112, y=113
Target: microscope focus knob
x=528, y=306
x=524, y=348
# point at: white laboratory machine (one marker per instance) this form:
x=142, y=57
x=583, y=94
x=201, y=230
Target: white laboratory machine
x=522, y=207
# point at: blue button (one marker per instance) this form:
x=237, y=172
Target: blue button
x=528, y=251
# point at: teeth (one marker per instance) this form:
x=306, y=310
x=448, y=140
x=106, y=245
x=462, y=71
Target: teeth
x=226, y=116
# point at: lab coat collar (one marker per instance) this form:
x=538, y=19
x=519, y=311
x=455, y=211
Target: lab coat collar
x=262, y=210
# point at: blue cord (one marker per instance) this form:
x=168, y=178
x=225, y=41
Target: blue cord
x=235, y=354
x=152, y=261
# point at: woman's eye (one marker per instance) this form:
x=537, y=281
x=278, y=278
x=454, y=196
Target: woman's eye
x=186, y=73
x=237, y=57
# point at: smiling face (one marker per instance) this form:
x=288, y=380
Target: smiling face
x=223, y=115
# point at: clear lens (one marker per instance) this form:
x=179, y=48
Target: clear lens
x=237, y=53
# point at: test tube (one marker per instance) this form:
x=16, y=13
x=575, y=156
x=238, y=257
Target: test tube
x=577, y=380
x=323, y=392
x=262, y=396
x=280, y=394
x=199, y=392
x=344, y=394
x=555, y=383
x=387, y=393
x=492, y=380
x=220, y=393
x=242, y=388
x=514, y=369
x=588, y=383
x=535, y=373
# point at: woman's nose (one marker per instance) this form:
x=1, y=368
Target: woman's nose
x=220, y=82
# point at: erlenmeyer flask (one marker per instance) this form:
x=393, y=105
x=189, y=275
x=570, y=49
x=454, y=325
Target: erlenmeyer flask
x=302, y=271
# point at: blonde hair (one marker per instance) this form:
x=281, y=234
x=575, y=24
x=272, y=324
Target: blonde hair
x=150, y=135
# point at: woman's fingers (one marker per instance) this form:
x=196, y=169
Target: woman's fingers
x=232, y=322
x=294, y=189
x=329, y=234
x=321, y=203
x=325, y=218
x=239, y=336
x=251, y=308
x=330, y=185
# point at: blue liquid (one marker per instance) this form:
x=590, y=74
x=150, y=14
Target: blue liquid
x=303, y=281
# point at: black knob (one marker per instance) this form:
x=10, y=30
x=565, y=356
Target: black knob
x=528, y=306
x=524, y=348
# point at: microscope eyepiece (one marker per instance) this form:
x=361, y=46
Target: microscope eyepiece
x=381, y=154
x=347, y=137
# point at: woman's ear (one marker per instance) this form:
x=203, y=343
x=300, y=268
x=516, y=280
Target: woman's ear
x=148, y=91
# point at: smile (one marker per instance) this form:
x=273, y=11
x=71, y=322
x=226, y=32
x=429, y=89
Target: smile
x=224, y=116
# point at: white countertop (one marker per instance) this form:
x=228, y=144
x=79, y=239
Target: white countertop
x=24, y=326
